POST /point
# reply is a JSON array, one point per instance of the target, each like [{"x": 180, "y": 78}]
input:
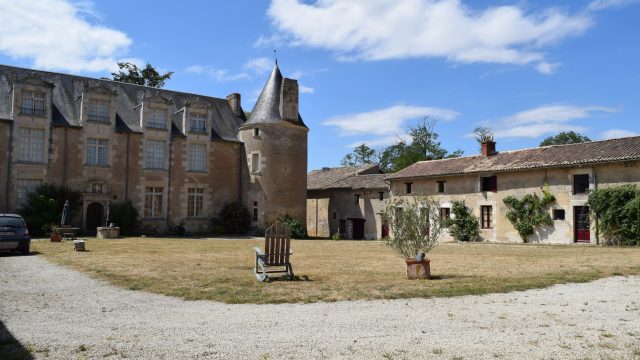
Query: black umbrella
[{"x": 65, "y": 213}]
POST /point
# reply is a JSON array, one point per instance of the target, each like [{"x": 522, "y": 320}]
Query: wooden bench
[
  {"x": 66, "y": 231},
  {"x": 277, "y": 249}
]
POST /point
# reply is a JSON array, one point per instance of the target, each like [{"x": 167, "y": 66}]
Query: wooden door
[
  {"x": 95, "y": 213},
  {"x": 358, "y": 229},
  {"x": 385, "y": 230},
  {"x": 581, "y": 224}
]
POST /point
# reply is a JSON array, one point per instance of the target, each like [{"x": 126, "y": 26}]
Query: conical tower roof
[{"x": 267, "y": 108}]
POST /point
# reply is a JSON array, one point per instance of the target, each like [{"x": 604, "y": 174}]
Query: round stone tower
[{"x": 275, "y": 149}]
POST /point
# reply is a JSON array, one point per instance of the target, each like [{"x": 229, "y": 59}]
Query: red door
[
  {"x": 385, "y": 230},
  {"x": 581, "y": 224}
]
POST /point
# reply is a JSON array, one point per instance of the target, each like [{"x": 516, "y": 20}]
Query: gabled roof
[
  {"x": 68, "y": 89},
  {"x": 327, "y": 178},
  {"x": 358, "y": 182},
  {"x": 267, "y": 107},
  {"x": 614, "y": 150}
]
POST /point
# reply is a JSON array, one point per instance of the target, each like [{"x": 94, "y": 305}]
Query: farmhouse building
[
  {"x": 568, "y": 172},
  {"x": 178, "y": 157},
  {"x": 347, "y": 201}
]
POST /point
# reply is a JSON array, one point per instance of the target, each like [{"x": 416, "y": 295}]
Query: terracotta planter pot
[
  {"x": 56, "y": 238},
  {"x": 418, "y": 269}
]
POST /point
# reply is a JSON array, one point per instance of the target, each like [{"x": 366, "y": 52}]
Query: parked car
[{"x": 14, "y": 234}]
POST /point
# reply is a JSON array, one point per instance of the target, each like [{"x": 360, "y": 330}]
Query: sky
[{"x": 367, "y": 69}]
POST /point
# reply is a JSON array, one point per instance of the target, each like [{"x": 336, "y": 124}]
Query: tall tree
[
  {"x": 564, "y": 138},
  {"x": 149, "y": 76},
  {"x": 422, "y": 145},
  {"x": 362, "y": 154}
]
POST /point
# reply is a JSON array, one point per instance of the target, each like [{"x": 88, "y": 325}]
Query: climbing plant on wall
[
  {"x": 528, "y": 213},
  {"x": 618, "y": 212}
]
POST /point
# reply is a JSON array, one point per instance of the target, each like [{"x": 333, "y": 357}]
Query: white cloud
[
  {"x": 618, "y": 133},
  {"x": 543, "y": 120},
  {"x": 217, "y": 74},
  {"x": 598, "y": 5},
  {"x": 259, "y": 65},
  {"x": 298, "y": 74},
  {"x": 305, "y": 89},
  {"x": 386, "y": 122},
  {"x": 55, "y": 35},
  {"x": 380, "y": 30},
  {"x": 547, "y": 68}
]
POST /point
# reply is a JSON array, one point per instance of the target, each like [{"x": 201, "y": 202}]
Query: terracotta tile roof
[
  {"x": 356, "y": 182},
  {"x": 325, "y": 178},
  {"x": 614, "y": 150}
]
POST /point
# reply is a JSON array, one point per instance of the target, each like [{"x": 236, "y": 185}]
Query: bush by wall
[
  {"x": 298, "y": 229},
  {"x": 126, "y": 216},
  {"x": 234, "y": 218},
  {"x": 44, "y": 205},
  {"x": 618, "y": 212},
  {"x": 463, "y": 226}
]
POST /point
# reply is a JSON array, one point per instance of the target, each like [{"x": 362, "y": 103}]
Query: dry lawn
[{"x": 222, "y": 270}]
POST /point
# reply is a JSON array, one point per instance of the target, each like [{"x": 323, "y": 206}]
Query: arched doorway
[{"x": 95, "y": 214}]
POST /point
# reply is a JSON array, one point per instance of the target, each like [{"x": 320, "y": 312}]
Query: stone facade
[
  {"x": 560, "y": 181},
  {"x": 347, "y": 201},
  {"x": 178, "y": 157}
]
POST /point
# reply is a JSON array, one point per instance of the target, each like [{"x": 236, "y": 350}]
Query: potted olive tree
[{"x": 415, "y": 227}]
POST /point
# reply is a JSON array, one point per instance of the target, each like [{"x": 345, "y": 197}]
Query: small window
[
  {"x": 97, "y": 152},
  {"x": 489, "y": 183},
  {"x": 445, "y": 216},
  {"x": 255, "y": 162},
  {"x": 197, "y": 157},
  {"x": 157, "y": 118},
  {"x": 31, "y": 145},
  {"x": 343, "y": 227},
  {"x": 441, "y": 186},
  {"x": 255, "y": 211},
  {"x": 153, "y": 202},
  {"x": 558, "y": 214},
  {"x": 334, "y": 215},
  {"x": 154, "y": 155},
  {"x": 195, "y": 202},
  {"x": 357, "y": 197},
  {"x": 197, "y": 123},
  {"x": 407, "y": 187},
  {"x": 580, "y": 184},
  {"x": 98, "y": 111},
  {"x": 381, "y": 195},
  {"x": 256, "y": 132},
  {"x": 33, "y": 103},
  {"x": 485, "y": 214}
]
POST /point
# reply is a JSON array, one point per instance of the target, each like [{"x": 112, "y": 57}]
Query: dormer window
[
  {"x": 157, "y": 118},
  {"x": 197, "y": 123},
  {"x": 33, "y": 104},
  {"x": 98, "y": 110}
]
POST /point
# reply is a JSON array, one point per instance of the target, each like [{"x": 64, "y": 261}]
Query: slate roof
[
  {"x": 614, "y": 150},
  {"x": 67, "y": 90},
  {"x": 267, "y": 107},
  {"x": 357, "y": 182},
  {"x": 328, "y": 178}
]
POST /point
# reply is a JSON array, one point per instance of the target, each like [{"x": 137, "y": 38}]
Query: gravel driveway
[{"x": 54, "y": 312}]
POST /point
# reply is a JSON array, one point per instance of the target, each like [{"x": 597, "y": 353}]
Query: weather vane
[{"x": 275, "y": 55}]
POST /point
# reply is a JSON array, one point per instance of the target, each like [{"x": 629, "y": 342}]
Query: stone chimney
[
  {"x": 488, "y": 148},
  {"x": 289, "y": 100},
  {"x": 234, "y": 102}
]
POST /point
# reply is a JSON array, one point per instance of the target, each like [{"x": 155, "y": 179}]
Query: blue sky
[{"x": 367, "y": 69}]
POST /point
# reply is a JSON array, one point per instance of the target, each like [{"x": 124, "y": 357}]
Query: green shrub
[
  {"x": 463, "y": 226},
  {"x": 298, "y": 229},
  {"x": 414, "y": 225},
  {"x": 336, "y": 237},
  {"x": 618, "y": 212},
  {"x": 125, "y": 216},
  {"x": 44, "y": 207},
  {"x": 528, "y": 213},
  {"x": 234, "y": 218}
]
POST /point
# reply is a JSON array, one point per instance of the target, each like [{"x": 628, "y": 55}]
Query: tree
[
  {"x": 463, "y": 226},
  {"x": 423, "y": 145},
  {"x": 125, "y": 216},
  {"x": 361, "y": 154},
  {"x": 414, "y": 224},
  {"x": 148, "y": 76},
  {"x": 44, "y": 207},
  {"x": 618, "y": 212},
  {"x": 564, "y": 138},
  {"x": 483, "y": 134}
]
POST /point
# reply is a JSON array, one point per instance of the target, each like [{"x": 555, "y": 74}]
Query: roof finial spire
[{"x": 275, "y": 55}]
